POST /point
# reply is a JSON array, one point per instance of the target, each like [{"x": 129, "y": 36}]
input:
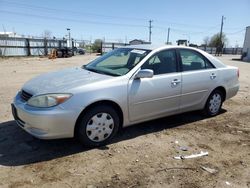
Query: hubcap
[
  {"x": 100, "y": 127},
  {"x": 215, "y": 103}
]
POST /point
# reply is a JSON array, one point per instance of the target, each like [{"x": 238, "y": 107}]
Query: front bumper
[{"x": 44, "y": 123}]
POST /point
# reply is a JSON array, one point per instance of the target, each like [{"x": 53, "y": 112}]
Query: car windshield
[{"x": 117, "y": 62}]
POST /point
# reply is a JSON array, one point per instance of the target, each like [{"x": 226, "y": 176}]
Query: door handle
[
  {"x": 213, "y": 76},
  {"x": 175, "y": 82}
]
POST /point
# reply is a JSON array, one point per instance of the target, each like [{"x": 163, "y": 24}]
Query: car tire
[
  {"x": 214, "y": 103},
  {"x": 97, "y": 126}
]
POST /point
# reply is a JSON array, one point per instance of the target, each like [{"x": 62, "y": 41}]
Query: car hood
[{"x": 62, "y": 81}]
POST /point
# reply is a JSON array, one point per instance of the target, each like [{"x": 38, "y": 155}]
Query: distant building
[
  {"x": 9, "y": 34},
  {"x": 246, "y": 45},
  {"x": 138, "y": 41}
]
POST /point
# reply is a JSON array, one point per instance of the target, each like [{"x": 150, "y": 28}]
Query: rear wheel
[
  {"x": 98, "y": 126},
  {"x": 214, "y": 103}
]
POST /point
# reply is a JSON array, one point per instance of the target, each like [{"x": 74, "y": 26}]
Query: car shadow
[{"x": 19, "y": 148}]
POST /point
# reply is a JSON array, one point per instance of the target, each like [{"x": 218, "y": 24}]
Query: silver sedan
[{"x": 121, "y": 88}]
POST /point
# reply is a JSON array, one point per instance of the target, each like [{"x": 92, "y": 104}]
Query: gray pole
[
  {"x": 68, "y": 29},
  {"x": 69, "y": 39},
  {"x": 168, "y": 35},
  {"x": 221, "y": 28},
  {"x": 150, "y": 30}
]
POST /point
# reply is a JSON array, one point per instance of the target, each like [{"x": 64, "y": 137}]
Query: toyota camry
[{"x": 126, "y": 86}]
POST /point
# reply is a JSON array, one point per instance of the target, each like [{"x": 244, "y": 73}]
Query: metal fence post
[
  {"x": 45, "y": 47},
  {"x": 101, "y": 48},
  {"x": 28, "y": 46}
]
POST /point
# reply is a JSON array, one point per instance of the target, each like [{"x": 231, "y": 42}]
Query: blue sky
[{"x": 115, "y": 20}]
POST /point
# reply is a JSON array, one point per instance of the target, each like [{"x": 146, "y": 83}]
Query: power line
[
  {"x": 71, "y": 20},
  {"x": 240, "y": 31},
  {"x": 182, "y": 24},
  {"x": 32, "y": 7}
]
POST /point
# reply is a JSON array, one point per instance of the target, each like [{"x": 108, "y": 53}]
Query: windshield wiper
[{"x": 99, "y": 71}]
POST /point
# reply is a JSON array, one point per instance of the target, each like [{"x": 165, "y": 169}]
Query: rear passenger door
[{"x": 199, "y": 78}]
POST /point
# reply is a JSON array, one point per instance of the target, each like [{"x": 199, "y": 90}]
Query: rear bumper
[
  {"x": 47, "y": 123},
  {"x": 232, "y": 91}
]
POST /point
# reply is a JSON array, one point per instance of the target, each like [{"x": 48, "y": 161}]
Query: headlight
[{"x": 48, "y": 100}]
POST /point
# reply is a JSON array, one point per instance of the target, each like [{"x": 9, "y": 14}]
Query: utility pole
[
  {"x": 168, "y": 35},
  {"x": 150, "y": 30},
  {"x": 221, "y": 28}
]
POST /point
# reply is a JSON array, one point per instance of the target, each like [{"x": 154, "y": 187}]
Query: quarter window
[
  {"x": 162, "y": 62},
  {"x": 192, "y": 60}
]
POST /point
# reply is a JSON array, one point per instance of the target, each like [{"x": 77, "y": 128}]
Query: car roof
[{"x": 155, "y": 47}]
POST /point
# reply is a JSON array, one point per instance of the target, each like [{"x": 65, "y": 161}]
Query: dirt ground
[{"x": 139, "y": 156}]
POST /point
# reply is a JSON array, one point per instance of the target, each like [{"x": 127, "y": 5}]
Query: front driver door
[{"x": 157, "y": 96}]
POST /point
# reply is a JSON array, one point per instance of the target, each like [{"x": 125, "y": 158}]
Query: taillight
[{"x": 238, "y": 73}]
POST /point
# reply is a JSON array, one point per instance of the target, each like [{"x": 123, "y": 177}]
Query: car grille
[{"x": 25, "y": 95}]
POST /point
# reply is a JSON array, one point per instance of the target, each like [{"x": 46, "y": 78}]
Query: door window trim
[
  {"x": 178, "y": 65},
  {"x": 201, "y": 55}
]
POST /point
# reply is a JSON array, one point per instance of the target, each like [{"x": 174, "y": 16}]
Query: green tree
[
  {"x": 215, "y": 40},
  {"x": 96, "y": 47}
]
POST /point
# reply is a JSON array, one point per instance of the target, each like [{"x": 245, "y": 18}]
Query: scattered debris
[
  {"x": 243, "y": 164},
  {"x": 201, "y": 154},
  {"x": 71, "y": 171},
  {"x": 116, "y": 177},
  {"x": 137, "y": 160},
  {"x": 77, "y": 174},
  {"x": 183, "y": 148},
  {"x": 176, "y": 168},
  {"x": 228, "y": 183},
  {"x": 210, "y": 170}
]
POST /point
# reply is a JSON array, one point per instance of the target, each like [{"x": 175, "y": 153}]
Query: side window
[
  {"x": 192, "y": 60},
  {"x": 162, "y": 62}
]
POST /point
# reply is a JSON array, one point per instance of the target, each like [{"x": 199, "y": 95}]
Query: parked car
[
  {"x": 126, "y": 86},
  {"x": 64, "y": 52},
  {"x": 80, "y": 51}
]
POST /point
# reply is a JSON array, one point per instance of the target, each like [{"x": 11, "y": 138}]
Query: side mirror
[{"x": 144, "y": 73}]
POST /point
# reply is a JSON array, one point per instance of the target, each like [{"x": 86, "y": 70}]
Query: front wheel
[
  {"x": 214, "y": 103},
  {"x": 98, "y": 126}
]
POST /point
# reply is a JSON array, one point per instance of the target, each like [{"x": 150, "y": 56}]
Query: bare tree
[
  {"x": 206, "y": 41},
  {"x": 46, "y": 34}
]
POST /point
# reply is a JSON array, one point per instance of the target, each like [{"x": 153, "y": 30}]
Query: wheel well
[
  {"x": 105, "y": 102},
  {"x": 222, "y": 89}
]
